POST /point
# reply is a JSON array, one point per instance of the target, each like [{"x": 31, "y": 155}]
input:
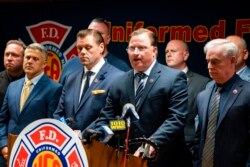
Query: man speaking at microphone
[{"x": 159, "y": 95}]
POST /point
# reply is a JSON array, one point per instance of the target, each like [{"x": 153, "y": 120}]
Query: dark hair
[{"x": 97, "y": 35}]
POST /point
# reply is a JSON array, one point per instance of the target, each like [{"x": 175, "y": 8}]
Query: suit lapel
[
  {"x": 36, "y": 90},
  {"x": 77, "y": 90},
  {"x": 101, "y": 75},
  {"x": 18, "y": 93},
  {"x": 205, "y": 105},
  {"x": 130, "y": 87},
  {"x": 230, "y": 99},
  {"x": 152, "y": 79}
]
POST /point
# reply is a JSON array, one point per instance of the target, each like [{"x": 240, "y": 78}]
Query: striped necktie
[
  {"x": 208, "y": 151},
  {"x": 140, "y": 77}
]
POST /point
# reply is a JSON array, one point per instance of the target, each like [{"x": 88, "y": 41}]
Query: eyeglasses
[{"x": 139, "y": 49}]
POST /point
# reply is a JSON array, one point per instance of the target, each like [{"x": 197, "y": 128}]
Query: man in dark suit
[
  {"x": 75, "y": 64},
  {"x": 231, "y": 138},
  {"x": 162, "y": 107},
  {"x": 84, "y": 108},
  {"x": 41, "y": 102},
  {"x": 177, "y": 54},
  {"x": 13, "y": 63}
]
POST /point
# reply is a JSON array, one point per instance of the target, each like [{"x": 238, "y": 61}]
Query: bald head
[{"x": 176, "y": 54}]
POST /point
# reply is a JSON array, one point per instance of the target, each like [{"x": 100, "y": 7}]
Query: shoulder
[
  {"x": 72, "y": 62},
  {"x": 197, "y": 76},
  {"x": 3, "y": 74},
  {"x": 117, "y": 62},
  {"x": 51, "y": 82}
]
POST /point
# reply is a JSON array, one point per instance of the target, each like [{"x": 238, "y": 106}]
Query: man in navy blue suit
[
  {"x": 75, "y": 64},
  {"x": 162, "y": 108},
  {"x": 231, "y": 138},
  {"x": 177, "y": 54},
  {"x": 41, "y": 102},
  {"x": 83, "y": 108}
]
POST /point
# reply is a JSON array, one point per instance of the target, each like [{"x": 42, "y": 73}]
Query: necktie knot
[
  {"x": 28, "y": 83},
  {"x": 88, "y": 73},
  {"x": 140, "y": 75}
]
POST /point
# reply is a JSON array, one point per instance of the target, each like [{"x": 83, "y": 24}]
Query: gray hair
[
  {"x": 229, "y": 48},
  {"x": 39, "y": 47}
]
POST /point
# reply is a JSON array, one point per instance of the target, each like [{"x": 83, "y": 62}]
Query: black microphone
[
  {"x": 68, "y": 121},
  {"x": 118, "y": 125},
  {"x": 90, "y": 134}
]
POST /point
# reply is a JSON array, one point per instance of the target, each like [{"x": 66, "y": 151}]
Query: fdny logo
[
  {"x": 52, "y": 35},
  {"x": 48, "y": 142}
]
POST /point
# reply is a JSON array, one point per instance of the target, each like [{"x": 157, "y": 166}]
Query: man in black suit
[
  {"x": 231, "y": 138},
  {"x": 13, "y": 64},
  {"x": 162, "y": 107},
  {"x": 177, "y": 54}
]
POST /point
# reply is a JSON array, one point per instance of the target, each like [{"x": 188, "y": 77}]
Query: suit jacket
[
  {"x": 41, "y": 103},
  {"x": 85, "y": 112},
  {"x": 196, "y": 83},
  {"x": 4, "y": 83},
  {"x": 74, "y": 64},
  {"x": 245, "y": 74},
  {"x": 232, "y": 136},
  {"x": 162, "y": 111}
]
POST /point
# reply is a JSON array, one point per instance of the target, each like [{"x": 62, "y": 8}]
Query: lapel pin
[
  {"x": 96, "y": 80},
  {"x": 235, "y": 91},
  {"x": 151, "y": 80}
]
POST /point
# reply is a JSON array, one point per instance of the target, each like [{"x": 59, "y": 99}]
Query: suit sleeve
[
  {"x": 176, "y": 110},
  {"x": 4, "y": 117}
]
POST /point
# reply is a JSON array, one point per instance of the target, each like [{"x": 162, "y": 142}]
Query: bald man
[{"x": 177, "y": 54}]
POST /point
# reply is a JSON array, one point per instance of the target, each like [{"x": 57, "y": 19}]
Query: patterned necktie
[
  {"x": 208, "y": 151},
  {"x": 86, "y": 85},
  {"x": 140, "y": 86},
  {"x": 25, "y": 94}
]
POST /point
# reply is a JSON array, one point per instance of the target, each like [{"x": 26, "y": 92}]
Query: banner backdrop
[{"x": 56, "y": 24}]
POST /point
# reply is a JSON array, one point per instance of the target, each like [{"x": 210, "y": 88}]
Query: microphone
[
  {"x": 128, "y": 111},
  {"x": 107, "y": 133},
  {"x": 67, "y": 121}
]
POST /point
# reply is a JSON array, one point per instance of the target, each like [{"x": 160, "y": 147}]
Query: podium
[
  {"x": 102, "y": 155},
  {"x": 98, "y": 154}
]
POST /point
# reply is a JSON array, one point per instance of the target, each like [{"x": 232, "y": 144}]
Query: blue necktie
[{"x": 140, "y": 87}]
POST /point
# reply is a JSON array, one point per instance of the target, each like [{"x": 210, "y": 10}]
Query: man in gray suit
[
  {"x": 162, "y": 107},
  {"x": 230, "y": 140},
  {"x": 177, "y": 54},
  {"x": 241, "y": 68},
  {"x": 75, "y": 105}
]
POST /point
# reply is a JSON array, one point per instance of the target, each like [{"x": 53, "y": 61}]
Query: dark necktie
[
  {"x": 140, "y": 87},
  {"x": 208, "y": 151},
  {"x": 86, "y": 85}
]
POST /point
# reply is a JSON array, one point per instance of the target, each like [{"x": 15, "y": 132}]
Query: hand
[
  {"x": 145, "y": 150},
  {"x": 5, "y": 152}
]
